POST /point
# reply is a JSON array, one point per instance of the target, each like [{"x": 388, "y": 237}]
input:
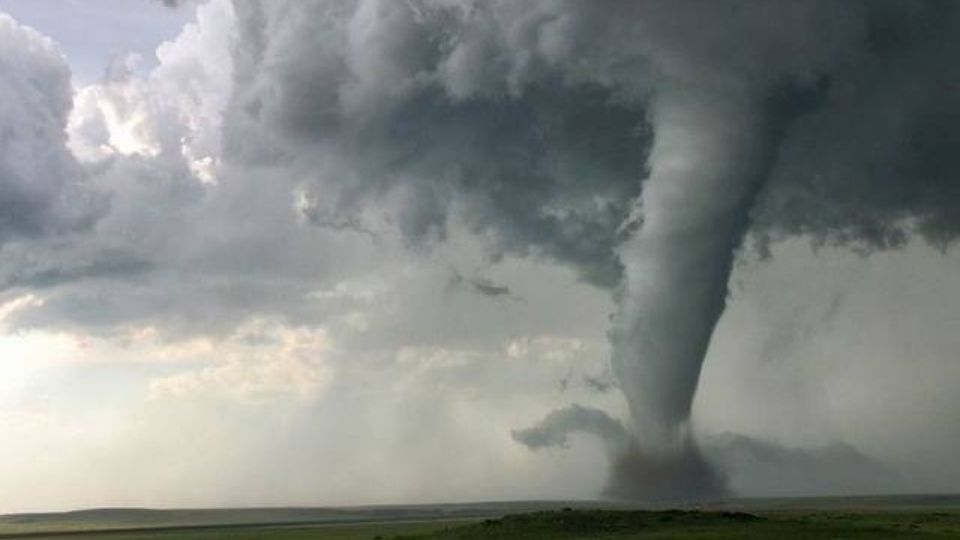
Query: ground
[{"x": 874, "y": 518}]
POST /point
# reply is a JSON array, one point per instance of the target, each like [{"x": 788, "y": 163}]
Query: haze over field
[{"x": 290, "y": 252}]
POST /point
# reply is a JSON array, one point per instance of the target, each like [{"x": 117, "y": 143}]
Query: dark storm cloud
[
  {"x": 879, "y": 161},
  {"x": 512, "y": 162},
  {"x": 502, "y": 108},
  {"x": 500, "y": 115}
]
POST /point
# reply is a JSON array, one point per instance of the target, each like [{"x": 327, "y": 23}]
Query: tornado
[
  {"x": 712, "y": 150},
  {"x": 631, "y": 141}
]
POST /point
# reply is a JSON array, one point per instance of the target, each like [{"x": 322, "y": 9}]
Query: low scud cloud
[{"x": 282, "y": 151}]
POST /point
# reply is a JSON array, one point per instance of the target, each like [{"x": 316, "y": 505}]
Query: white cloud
[
  {"x": 260, "y": 362},
  {"x": 176, "y": 109}
]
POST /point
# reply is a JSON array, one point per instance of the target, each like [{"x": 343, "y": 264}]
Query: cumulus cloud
[
  {"x": 42, "y": 188},
  {"x": 150, "y": 146}
]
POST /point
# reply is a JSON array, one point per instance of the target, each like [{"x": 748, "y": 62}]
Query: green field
[
  {"x": 764, "y": 519},
  {"x": 356, "y": 531},
  {"x": 680, "y": 524}
]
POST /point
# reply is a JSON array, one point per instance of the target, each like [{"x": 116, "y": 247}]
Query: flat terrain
[
  {"x": 683, "y": 524},
  {"x": 814, "y": 518}
]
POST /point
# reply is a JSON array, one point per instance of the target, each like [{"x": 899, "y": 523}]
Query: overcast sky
[{"x": 327, "y": 252}]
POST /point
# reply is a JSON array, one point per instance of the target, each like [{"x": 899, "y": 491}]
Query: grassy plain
[
  {"x": 833, "y": 518},
  {"x": 681, "y": 524}
]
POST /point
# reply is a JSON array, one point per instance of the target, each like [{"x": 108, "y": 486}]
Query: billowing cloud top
[{"x": 41, "y": 187}]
